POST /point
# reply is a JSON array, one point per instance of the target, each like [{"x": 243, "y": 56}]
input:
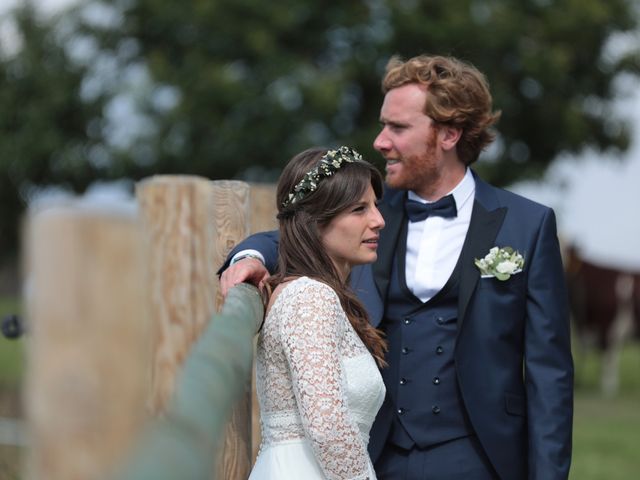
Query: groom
[{"x": 480, "y": 376}]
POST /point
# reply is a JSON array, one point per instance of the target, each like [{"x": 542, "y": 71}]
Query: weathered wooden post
[
  {"x": 231, "y": 220},
  {"x": 89, "y": 337},
  {"x": 117, "y": 299},
  {"x": 177, "y": 213},
  {"x": 263, "y": 207},
  {"x": 192, "y": 223}
]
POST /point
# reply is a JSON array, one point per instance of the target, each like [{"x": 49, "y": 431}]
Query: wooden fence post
[
  {"x": 118, "y": 301},
  {"x": 88, "y": 352},
  {"x": 192, "y": 223},
  {"x": 177, "y": 214},
  {"x": 263, "y": 207},
  {"x": 232, "y": 207}
]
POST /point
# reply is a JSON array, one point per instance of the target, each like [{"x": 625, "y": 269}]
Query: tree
[
  {"x": 44, "y": 124},
  {"x": 257, "y": 83},
  {"x": 234, "y": 88}
]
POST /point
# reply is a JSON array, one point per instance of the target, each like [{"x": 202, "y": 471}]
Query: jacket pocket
[
  {"x": 515, "y": 404},
  {"x": 515, "y": 282}
]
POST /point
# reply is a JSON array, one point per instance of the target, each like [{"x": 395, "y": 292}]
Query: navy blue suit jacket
[{"x": 513, "y": 356}]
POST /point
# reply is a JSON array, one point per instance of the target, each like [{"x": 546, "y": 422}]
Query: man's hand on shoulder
[{"x": 248, "y": 269}]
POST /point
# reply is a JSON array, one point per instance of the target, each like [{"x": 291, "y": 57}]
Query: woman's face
[{"x": 351, "y": 238}]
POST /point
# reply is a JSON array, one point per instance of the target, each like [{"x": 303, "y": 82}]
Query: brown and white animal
[{"x": 605, "y": 306}]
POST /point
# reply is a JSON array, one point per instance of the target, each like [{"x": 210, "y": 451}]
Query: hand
[{"x": 249, "y": 270}]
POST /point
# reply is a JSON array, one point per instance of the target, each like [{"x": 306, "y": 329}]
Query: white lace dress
[{"x": 318, "y": 386}]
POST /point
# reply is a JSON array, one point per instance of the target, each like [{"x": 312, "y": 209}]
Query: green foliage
[
  {"x": 43, "y": 122},
  {"x": 233, "y": 88},
  {"x": 257, "y": 83}
]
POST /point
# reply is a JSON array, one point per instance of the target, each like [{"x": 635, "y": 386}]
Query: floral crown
[{"x": 330, "y": 162}]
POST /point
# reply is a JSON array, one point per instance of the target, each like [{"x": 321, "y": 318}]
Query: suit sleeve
[
  {"x": 264, "y": 242},
  {"x": 548, "y": 362}
]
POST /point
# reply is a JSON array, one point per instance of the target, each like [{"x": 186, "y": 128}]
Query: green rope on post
[{"x": 182, "y": 444}]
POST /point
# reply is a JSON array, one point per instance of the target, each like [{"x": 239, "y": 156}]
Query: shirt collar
[{"x": 462, "y": 192}]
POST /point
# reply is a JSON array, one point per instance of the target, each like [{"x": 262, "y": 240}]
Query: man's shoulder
[
  {"x": 390, "y": 194},
  {"x": 519, "y": 200},
  {"x": 392, "y": 199},
  {"x": 510, "y": 199}
]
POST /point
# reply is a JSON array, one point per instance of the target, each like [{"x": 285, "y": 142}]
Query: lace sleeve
[{"x": 311, "y": 332}]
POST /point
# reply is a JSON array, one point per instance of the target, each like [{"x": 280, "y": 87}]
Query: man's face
[{"x": 409, "y": 141}]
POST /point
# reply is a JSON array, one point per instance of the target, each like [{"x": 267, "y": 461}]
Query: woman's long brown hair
[{"x": 301, "y": 252}]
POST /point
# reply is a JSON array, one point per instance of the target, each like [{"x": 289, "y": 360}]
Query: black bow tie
[{"x": 418, "y": 211}]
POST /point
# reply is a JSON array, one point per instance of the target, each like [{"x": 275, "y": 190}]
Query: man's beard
[{"x": 417, "y": 170}]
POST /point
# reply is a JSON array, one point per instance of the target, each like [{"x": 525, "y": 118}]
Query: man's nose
[{"x": 381, "y": 142}]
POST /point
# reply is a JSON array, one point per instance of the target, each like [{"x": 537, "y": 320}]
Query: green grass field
[
  {"x": 11, "y": 358},
  {"x": 11, "y": 369},
  {"x": 606, "y": 439},
  {"x": 606, "y": 432}
]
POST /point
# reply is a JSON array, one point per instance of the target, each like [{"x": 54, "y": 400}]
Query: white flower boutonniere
[{"x": 500, "y": 263}]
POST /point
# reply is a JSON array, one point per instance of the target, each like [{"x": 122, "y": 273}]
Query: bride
[{"x": 318, "y": 384}]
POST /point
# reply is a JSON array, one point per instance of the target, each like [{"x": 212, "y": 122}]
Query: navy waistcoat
[{"x": 421, "y": 377}]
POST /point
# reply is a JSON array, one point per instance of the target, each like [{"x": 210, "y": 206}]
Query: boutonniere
[{"x": 500, "y": 263}]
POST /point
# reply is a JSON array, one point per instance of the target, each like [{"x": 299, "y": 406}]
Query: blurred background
[{"x": 95, "y": 95}]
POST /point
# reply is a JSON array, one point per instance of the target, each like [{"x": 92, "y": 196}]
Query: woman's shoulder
[
  {"x": 301, "y": 288},
  {"x": 303, "y": 293}
]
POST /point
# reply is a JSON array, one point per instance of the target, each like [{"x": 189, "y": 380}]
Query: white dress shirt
[{"x": 434, "y": 244}]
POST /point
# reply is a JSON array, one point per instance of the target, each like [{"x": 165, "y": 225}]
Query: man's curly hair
[{"x": 458, "y": 96}]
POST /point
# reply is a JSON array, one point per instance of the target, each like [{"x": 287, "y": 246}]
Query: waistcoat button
[{"x": 435, "y": 409}]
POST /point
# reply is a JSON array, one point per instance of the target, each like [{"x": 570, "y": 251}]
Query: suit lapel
[
  {"x": 486, "y": 219},
  {"x": 393, "y": 212}
]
